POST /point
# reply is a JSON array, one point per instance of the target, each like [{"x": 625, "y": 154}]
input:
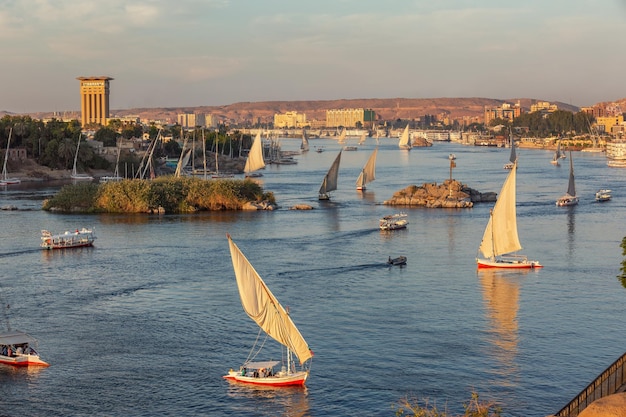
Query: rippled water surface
[{"x": 147, "y": 321}]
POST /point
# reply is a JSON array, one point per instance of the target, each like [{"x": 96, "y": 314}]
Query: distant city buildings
[
  {"x": 290, "y": 119},
  {"x": 505, "y": 112},
  {"x": 94, "y": 100},
  {"x": 544, "y": 107},
  {"x": 610, "y": 124},
  {"x": 350, "y": 117},
  {"x": 191, "y": 120}
]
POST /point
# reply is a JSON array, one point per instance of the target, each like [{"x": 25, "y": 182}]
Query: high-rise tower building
[{"x": 94, "y": 100}]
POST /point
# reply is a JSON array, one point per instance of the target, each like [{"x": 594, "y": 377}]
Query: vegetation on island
[
  {"x": 162, "y": 195},
  {"x": 413, "y": 407}
]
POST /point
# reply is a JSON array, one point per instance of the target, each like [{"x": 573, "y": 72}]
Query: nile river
[{"x": 148, "y": 321}]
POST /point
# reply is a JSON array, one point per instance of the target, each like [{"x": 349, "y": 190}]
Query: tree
[{"x": 107, "y": 136}]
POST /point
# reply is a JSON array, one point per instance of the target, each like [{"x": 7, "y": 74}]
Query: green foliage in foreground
[
  {"x": 173, "y": 195},
  {"x": 411, "y": 407},
  {"x": 622, "y": 276}
]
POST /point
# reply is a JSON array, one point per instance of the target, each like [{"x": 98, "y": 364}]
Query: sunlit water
[{"x": 148, "y": 321}]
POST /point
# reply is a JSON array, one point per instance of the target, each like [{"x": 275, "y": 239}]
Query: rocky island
[{"x": 450, "y": 194}]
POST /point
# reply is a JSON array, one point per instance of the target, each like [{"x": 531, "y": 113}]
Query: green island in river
[{"x": 161, "y": 195}]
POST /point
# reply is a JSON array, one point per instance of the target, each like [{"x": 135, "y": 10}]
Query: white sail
[
  {"x": 255, "y": 157},
  {"x": 342, "y": 136},
  {"x": 330, "y": 180},
  {"x": 500, "y": 236},
  {"x": 368, "y": 173},
  {"x": 183, "y": 160},
  {"x": 263, "y": 307},
  {"x": 404, "y": 139}
]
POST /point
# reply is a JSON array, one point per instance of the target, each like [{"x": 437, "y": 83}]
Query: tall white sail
[
  {"x": 255, "y": 157},
  {"x": 404, "y": 139},
  {"x": 263, "y": 307},
  {"x": 330, "y": 180},
  {"x": 501, "y": 233},
  {"x": 342, "y": 136},
  {"x": 368, "y": 173}
]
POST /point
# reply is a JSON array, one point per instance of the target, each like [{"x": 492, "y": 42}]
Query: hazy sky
[{"x": 165, "y": 53}]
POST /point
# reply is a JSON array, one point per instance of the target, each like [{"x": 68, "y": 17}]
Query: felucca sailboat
[
  {"x": 272, "y": 318},
  {"x": 405, "y": 139},
  {"x": 75, "y": 175},
  {"x": 500, "y": 240},
  {"x": 570, "y": 198},
  {"x": 330, "y": 180},
  {"x": 255, "y": 158},
  {"x": 5, "y": 180},
  {"x": 367, "y": 174}
]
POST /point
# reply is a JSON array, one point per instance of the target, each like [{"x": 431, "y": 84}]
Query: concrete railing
[{"x": 607, "y": 383}]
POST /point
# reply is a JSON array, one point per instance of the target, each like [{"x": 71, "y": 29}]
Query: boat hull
[
  {"x": 68, "y": 240},
  {"x": 567, "y": 201},
  {"x": 295, "y": 379},
  {"x": 508, "y": 264},
  {"x": 23, "y": 360}
]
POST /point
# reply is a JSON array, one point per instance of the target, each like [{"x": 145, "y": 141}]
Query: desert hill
[{"x": 385, "y": 108}]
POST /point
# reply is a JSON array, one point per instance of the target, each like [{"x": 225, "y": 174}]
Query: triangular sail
[
  {"x": 255, "y": 157},
  {"x": 571, "y": 187},
  {"x": 330, "y": 180},
  {"x": 404, "y": 138},
  {"x": 368, "y": 173},
  {"x": 263, "y": 307},
  {"x": 501, "y": 233},
  {"x": 342, "y": 136},
  {"x": 513, "y": 156},
  {"x": 304, "y": 146}
]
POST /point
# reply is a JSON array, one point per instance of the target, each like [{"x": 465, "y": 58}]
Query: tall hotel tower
[{"x": 94, "y": 100}]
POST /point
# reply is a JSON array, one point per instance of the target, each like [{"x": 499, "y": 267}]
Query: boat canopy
[
  {"x": 259, "y": 365},
  {"x": 16, "y": 337}
]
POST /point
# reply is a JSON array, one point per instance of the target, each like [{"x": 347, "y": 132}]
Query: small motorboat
[
  {"x": 400, "y": 260},
  {"x": 394, "y": 222},
  {"x": 452, "y": 157},
  {"x": 16, "y": 349},
  {"x": 603, "y": 195}
]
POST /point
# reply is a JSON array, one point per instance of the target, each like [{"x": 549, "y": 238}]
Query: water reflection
[
  {"x": 286, "y": 401},
  {"x": 501, "y": 298}
]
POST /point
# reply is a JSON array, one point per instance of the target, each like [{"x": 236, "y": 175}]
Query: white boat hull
[
  {"x": 278, "y": 380},
  {"x": 567, "y": 201},
  {"x": 511, "y": 263}
]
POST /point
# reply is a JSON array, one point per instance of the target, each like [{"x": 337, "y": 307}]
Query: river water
[{"x": 148, "y": 321}]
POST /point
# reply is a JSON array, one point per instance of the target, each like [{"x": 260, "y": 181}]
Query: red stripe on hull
[
  {"x": 509, "y": 266},
  {"x": 297, "y": 382}
]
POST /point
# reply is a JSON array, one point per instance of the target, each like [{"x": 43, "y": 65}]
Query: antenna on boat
[{"x": 5, "y": 311}]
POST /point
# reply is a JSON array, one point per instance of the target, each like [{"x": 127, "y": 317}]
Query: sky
[{"x": 188, "y": 53}]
